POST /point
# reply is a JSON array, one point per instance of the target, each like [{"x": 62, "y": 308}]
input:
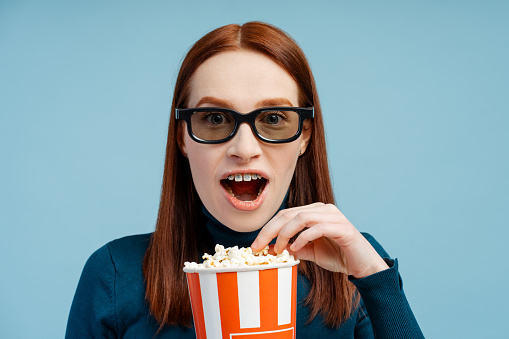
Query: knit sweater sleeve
[
  {"x": 388, "y": 310},
  {"x": 92, "y": 313}
]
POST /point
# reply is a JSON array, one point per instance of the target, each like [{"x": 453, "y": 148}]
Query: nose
[{"x": 244, "y": 145}]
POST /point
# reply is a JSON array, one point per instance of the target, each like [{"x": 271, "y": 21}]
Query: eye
[
  {"x": 274, "y": 118},
  {"x": 215, "y": 118}
]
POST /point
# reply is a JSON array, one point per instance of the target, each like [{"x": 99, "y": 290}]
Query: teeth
[
  {"x": 229, "y": 190},
  {"x": 260, "y": 190},
  {"x": 244, "y": 177}
]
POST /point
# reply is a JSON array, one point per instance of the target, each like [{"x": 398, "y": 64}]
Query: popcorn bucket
[{"x": 244, "y": 302}]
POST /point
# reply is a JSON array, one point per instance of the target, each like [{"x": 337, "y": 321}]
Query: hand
[{"x": 327, "y": 238}]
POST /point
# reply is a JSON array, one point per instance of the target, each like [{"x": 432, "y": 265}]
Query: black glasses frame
[{"x": 249, "y": 118}]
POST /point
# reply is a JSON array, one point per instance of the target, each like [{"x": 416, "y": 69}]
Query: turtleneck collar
[{"x": 223, "y": 235}]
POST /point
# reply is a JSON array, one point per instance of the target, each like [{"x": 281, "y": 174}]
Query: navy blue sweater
[{"x": 110, "y": 298}]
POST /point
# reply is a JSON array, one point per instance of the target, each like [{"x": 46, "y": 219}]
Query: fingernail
[{"x": 254, "y": 244}]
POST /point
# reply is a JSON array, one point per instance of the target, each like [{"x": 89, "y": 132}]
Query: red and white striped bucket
[{"x": 244, "y": 302}]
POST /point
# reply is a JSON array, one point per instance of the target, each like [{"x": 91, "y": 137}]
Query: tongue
[{"x": 245, "y": 190}]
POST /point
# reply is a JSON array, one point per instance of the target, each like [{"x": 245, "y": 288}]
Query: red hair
[{"x": 177, "y": 239}]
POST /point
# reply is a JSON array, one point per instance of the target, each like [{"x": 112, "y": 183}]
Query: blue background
[{"x": 415, "y": 97}]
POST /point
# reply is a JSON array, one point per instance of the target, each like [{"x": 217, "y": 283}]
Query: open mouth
[{"x": 244, "y": 187}]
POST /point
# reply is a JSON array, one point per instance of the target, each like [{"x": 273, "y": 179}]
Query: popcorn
[{"x": 238, "y": 257}]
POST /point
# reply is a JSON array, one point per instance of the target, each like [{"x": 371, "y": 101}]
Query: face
[{"x": 243, "y": 81}]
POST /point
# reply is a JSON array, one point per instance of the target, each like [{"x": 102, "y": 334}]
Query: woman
[{"x": 226, "y": 175}]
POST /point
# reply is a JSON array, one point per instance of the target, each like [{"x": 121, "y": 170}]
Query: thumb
[{"x": 305, "y": 253}]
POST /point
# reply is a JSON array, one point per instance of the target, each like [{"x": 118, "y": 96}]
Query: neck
[{"x": 223, "y": 235}]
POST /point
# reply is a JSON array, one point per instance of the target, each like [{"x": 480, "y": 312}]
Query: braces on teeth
[{"x": 244, "y": 177}]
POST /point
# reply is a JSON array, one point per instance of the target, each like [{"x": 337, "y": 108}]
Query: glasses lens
[
  {"x": 212, "y": 125},
  {"x": 277, "y": 125}
]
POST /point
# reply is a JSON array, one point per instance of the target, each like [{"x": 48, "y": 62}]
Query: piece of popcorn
[
  {"x": 264, "y": 251},
  {"x": 250, "y": 260},
  {"x": 188, "y": 264},
  {"x": 246, "y": 252},
  {"x": 220, "y": 250},
  {"x": 226, "y": 263}
]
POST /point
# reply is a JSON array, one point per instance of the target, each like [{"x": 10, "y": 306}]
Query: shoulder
[
  {"x": 128, "y": 249},
  {"x": 118, "y": 254},
  {"x": 117, "y": 268},
  {"x": 376, "y": 245},
  {"x": 110, "y": 289}
]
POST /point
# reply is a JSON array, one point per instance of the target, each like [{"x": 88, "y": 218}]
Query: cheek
[
  {"x": 200, "y": 162},
  {"x": 202, "y": 176},
  {"x": 284, "y": 161},
  {"x": 203, "y": 160},
  {"x": 195, "y": 152}
]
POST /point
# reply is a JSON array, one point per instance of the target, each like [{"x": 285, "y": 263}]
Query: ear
[
  {"x": 307, "y": 130},
  {"x": 180, "y": 137}
]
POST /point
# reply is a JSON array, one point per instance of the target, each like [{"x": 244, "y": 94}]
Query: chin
[{"x": 245, "y": 221}]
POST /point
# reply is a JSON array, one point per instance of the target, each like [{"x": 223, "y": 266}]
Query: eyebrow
[
  {"x": 262, "y": 103},
  {"x": 274, "y": 102}
]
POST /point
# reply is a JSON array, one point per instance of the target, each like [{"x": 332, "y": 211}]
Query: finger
[
  {"x": 301, "y": 221},
  {"x": 289, "y": 213},
  {"x": 325, "y": 253},
  {"x": 342, "y": 234},
  {"x": 272, "y": 227},
  {"x": 305, "y": 253}
]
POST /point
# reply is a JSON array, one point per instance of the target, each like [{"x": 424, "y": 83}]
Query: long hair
[{"x": 177, "y": 238}]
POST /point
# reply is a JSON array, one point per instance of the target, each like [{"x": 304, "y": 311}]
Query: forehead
[{"x": 243, "y": 78}]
